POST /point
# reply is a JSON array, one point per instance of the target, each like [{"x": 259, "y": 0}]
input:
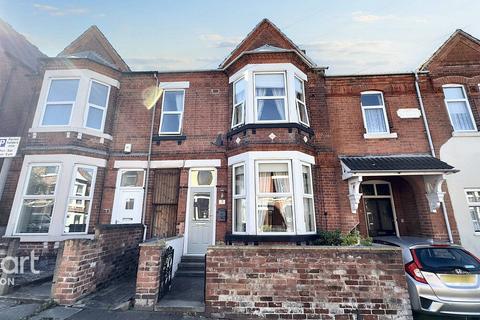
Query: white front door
[
  {"x": 201, "y": 220},
  {"x": 128, "y": 203}
]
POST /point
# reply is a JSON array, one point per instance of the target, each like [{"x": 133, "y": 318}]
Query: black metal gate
[{"x": 166, "y": 272}]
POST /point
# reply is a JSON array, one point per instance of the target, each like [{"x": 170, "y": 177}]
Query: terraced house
[{"x": 266, "y": 148}]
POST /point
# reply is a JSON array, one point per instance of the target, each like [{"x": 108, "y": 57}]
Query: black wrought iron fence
[{"x": 166, "y": 272}]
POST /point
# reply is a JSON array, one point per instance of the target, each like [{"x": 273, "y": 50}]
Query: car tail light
[{"x": 413, "y": 268}]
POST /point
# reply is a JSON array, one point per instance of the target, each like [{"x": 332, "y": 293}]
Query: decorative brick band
[{"x": 279, "y": 282}]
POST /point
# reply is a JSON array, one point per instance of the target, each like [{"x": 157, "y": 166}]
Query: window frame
[
  {"x": 309, "y": 196},
  {"x": 258, "y": 195},
  {"x": 120, "y": 174},
  {"x": 240, "y": 123},
  {"x": 284, "y": 97},
  {"x": 163, "y": 112},
  {"x": 239, "y": 196},
  {"x": 25, "y": 196},
  {"x": 467, "y": 102},
  {"x": 71, "y": 196},
  {"x": 303, "y": 103},
  {"x": 383, "y": 107},
  {"x": 473, "y": 204},
  {"x": 45, "y": 102},
  {"x": 88, "y": 105}
]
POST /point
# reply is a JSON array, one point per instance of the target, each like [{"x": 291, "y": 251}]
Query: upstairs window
[
  {"x": 238, "y": 116},
  {"x": 300, "y": 101},
  {"x": 97, "y": 105},
  {"x": 270, "y": 97},
  {"x": 61, "y": 98},
  {"x": 172, "y": 112},
  {"x": 459, "y": 111},
  {"x": 374, "y": 114}
]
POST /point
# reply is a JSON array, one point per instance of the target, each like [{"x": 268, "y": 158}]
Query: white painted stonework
[{"x": 464, "y": 154}]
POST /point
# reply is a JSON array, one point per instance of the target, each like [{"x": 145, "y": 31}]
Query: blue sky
[{"x": 349, "y": 36}]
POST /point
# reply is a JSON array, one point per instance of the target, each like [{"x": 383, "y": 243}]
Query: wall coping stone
[{"x": 374, "y": 248}]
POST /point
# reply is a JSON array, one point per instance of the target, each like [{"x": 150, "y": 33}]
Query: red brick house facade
[{"x": 265, "y": 148}]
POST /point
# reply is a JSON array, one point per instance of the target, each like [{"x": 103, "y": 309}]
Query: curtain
[
  {"x": 265, "y": 182},
  {"x": 179, "y": 101},
  {"x": 375, "y": 120},
  {"x": 261, "y": 92},
  {"x": 460, "y": 116}
]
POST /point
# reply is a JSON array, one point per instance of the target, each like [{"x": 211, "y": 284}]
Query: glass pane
[
  {"x": 307, "y": 185},
  {"x": 202, "y": 178},
  {"x": 269, "y": 85},
  {"x": 237, "y": 114},
  {"x": 473, "y": 196},
  {"x": 129, "y": 204},
  {"x": 63, "y": 90},
  {"x": 132, "y": 179},
  {"x": 475, "y": 214},
  {"x": 453, "y": 93},
  {"x": 273, "y": 178},
  {"x": 98, "y": 94},
  {"x": 383, "y": 189},
  {"x": 173, "y": 101},
  {"x": 271, "y": 109},
  {"x": 240, "y": 215},
  {"x": 201, "y": 206},
  {"x": 302, "y": 112},
  {"x": 368, "y": 190},
  {"x": 83, "y": 182},
  {"x": 309, "y": 214},
  {"x": 77, "y": 215},
  {"x": 460, "y": 116},
  {"x": 170, "y": 123},
  {"x": 371, "y": 99},
  {"x": 42, "y": 180},
  {"x": 95, "y": 118},
  {"x": 275, "y": 214},
  {"x": 239, "y": 91},
  {"x": 239, "y": 176},
  {"x": 57, "y": 114},
  {"x": 446, "y": 260},
  {"x": 299, "y": 90},
  {"x": 375, "y": 120},
  {"x": 35, "y": 216}
]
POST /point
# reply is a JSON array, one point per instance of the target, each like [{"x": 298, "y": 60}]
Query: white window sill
[
  {"x": 466, "y": 134},
  {"x": 72, "y": 129},
  {"x": 393, "y": 135},
  {"x": 49, "y": 238},
  {"x": 477, "y": 233}
]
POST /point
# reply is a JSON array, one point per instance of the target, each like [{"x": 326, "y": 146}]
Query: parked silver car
[{"x": 442, "y": 278}]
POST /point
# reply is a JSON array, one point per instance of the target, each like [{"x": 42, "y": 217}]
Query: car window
[{"x": 446, "y": 260}]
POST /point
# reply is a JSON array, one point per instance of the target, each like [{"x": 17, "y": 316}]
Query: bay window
[
  {"x": 300, "y": 101},
  {"x": 61, "y": 98},
  {"x": 239, "y": 199},
  {"x": 238, "y": 115},
  {"x": 172, "y": 112},
  {"x": 270, "y": 96},
  {"x": 458, "y": 108},
  {"x": 38, "y": 199},
  {"x": 374, "y": 114},
  {"x": 80, "y": 199},
  {"x": 309, "y": 213},
  {"x": 97, "y": 105}
]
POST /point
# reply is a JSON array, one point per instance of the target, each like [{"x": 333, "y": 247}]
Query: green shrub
[
  {"x": 366, "y": 241},
  {"x": 329, "y": 238},
  {"x": 351, "y": 239}
]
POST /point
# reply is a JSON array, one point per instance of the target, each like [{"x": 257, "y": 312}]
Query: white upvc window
[
  {"x": 239, "y": 199},
  {"x": 308, "y": 207},
  {"x": 97, "y": 105},
  {"x": 270, "y": 97},
  {"x": 473, "y": 200},
  {"x": 172, "y": 112},
  {"x": 238, "y": 114},
  {"x": 458, "y": 108},
  {"x": 59, "y": 103},
  {"x": 80, "y": 199},
  {"x": 274, "y": 197},
  {"x": 374, "y": 114},
  {"x": 300, "y": 101},
  {"x": 38, "y": 199}
]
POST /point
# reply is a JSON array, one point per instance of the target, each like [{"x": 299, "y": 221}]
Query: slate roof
[{"x": 395, "y": 163}]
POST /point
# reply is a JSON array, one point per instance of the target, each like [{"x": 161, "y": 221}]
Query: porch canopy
[{"x": 433, "y": 170}]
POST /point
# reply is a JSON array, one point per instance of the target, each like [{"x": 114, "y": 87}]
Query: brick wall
[
  {"x": 84, "y": 265},
  {"x": 280, "y": 282}
]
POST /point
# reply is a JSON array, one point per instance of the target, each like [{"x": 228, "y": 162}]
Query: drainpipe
[
  {"x": 149, "y": 157},
  {"x": 432, "y": 151}
]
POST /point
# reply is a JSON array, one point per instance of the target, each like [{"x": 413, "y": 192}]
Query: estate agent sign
[{"x": 9, "y": 146}]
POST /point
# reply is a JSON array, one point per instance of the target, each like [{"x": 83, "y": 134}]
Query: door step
[{"x": 191, "y": 267}]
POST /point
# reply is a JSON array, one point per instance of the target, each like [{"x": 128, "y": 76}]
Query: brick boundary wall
[
  {"x": 84, "y": 265},
  {"x": 148, "y": 274},
  {"x": 280, "y": 282}
]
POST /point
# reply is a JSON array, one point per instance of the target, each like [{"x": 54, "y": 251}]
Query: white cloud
[
  {"x": 56, "y": 11},
  {"x": 364, "y": 17},
  {"x": 172, "y": 63},
  {"x": 218, "y": 41}
]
